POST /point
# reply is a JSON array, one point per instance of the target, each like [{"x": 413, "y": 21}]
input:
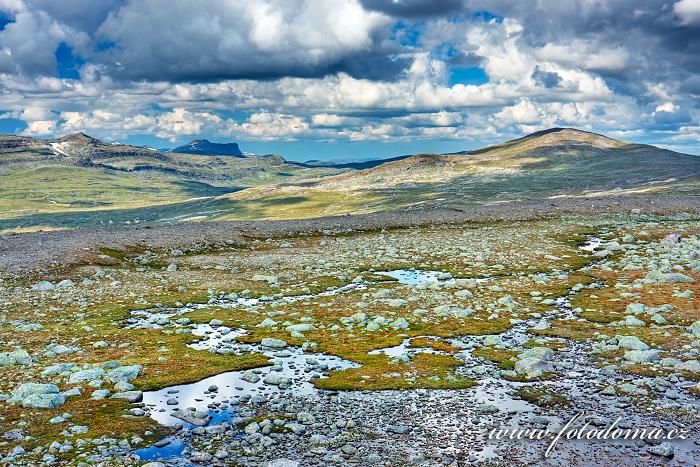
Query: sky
[{"x": 349, "y": 79}]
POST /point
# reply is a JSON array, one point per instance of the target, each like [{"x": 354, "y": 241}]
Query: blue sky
[{"x": 350, "y": 78}]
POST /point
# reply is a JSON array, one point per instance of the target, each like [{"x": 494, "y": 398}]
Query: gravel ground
[{"x": 24, "y": 252}]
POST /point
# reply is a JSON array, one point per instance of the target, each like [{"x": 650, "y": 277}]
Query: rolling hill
[
  {"x": 560, "y": 162},
  {"x": 80, "y": 181}
]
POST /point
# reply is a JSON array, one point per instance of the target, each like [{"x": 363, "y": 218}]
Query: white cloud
[
  {"x": 267, "y": 125},
  {"x": 225, "y": 39},
  {"x": 181, "y": 122},
  {"x": 40, "y": 128},
  {"x": 688, "y": 11},
  {"x": 666, "y": 107},
  {"x": 522, "y": 112}
]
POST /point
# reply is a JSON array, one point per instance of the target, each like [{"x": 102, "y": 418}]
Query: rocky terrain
[{"x": 393, "y": 339}]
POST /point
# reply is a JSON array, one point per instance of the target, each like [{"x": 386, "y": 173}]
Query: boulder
[
  {"x": 86, "y": 375},
  {"x": 642, "y": 356},
  {"x": 43, "y": 286},
  {"x": 37, "y": 396},
  {"x": 273, "y": 343},
  {"x": 131, "y": 396},
  {"x": 532, "y": 367},
  {"x": 15, "y": 358},
  {"x": 631, "y": 343},
  {"x": 400, "y": 323},
  {"x": 124, "y": 373}
]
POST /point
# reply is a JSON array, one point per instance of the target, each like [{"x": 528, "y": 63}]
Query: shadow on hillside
[{"x": 200, "y": 189}]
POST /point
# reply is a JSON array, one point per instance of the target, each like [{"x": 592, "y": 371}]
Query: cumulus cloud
[
  {"x": 688, "y": 11},
  {"x": 216, "y": 39},
  {"x": 350, "y": 69}
]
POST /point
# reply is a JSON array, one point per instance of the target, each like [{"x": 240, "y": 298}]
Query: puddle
[
  {"x": 574, "y": 366},
  {"x": 592, "y": 244},
  {"x": 172, "y": 449},
  {"x": 415, "y": 276},
  {"x": 292, "y": 363},
  {"x": 404, "y": 348}
]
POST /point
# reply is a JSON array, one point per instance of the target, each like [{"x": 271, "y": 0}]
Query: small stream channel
[{"x": 215, "y": 399}]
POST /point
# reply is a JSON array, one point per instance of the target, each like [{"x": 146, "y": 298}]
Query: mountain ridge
[{"x": 78, "y": 180}]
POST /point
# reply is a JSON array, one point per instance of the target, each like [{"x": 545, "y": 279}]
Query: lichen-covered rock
[
  {"x": 124, "y": 373},
  {"x": 37, "y": 396}
]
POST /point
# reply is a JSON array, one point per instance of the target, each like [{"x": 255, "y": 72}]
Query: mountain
[
  {"x": 559, "y": 162},
  {"x": 78, "y": 180},
  {"x": 206, "y": 147},
  {"x": 352, "y": 164},
  {"x": 81, "y": 181}
]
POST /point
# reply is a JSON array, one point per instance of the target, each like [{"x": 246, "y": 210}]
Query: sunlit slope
[{"x": 139, "y": 185}]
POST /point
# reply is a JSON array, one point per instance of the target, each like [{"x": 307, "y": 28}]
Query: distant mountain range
[{"x": 78, "y": 180}]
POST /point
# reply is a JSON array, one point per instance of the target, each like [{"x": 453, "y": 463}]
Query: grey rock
[
  {"x": 17, "y": 357},
  {"x": 131, "y": 396},
  {"x": 124, "y": 373},
  {"x": 273, "y": 343},
  {"x": 86, "y": 375}
]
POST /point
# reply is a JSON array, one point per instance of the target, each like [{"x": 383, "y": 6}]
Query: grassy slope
[{"x": 51, "y": 193}]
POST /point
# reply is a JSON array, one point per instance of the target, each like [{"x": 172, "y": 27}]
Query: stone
[
  {"x": 250, "y": 377},
  {"x": 305, "y": 418},
  {"x": 195, "y": 417},
  {"x": 642, "y": 356},
  {"x": 532, "y": 367},
  {"x": 359, "y": 317},
  {"x": 399, "y": 324},
  {"x": 43, "y": 286},
  {"x": 200, "y": 457},
  {"x": 37, "y": 396},
  {"x": 251, "y": 428},
  {"x": 272, "y": 280},
  {"x": 100, "y": 394},
  {"x": 266, "y": 323},
  {"x": 632, "y": 321},
  {"x": 692, "y": 366},
  {"x": 123, "y": 386},
  {"x": 17, "y": 357},
  {"x": 664, "y": 449},
  {"x": 124, "y": 373},
  {"x": 631, "y": 343},
  {"x": 672, "y": 239},
  {"x": 282, "y": 463},
  {"x": 635, "y": 308},
  {"x": 542, "y": 353},
  {"x": 303, "y": 327},
  {"x": 273, "y": 343},
  {"x": 668, "y": 278},
  {"x": 694, "y": 328},
  {"x": 131, "y": 396},
  {"x": 277, "y": 380},
  {"x": 65, "y": 284},
  {"x": 86, "y": 375},
  {"x": 172, "y": 267}
]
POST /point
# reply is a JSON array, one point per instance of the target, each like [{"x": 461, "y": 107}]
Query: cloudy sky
[{"x": 350, "y": 78}]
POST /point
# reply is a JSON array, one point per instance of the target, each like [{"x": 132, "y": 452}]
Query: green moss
[{"x": 542, "y": 396}]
